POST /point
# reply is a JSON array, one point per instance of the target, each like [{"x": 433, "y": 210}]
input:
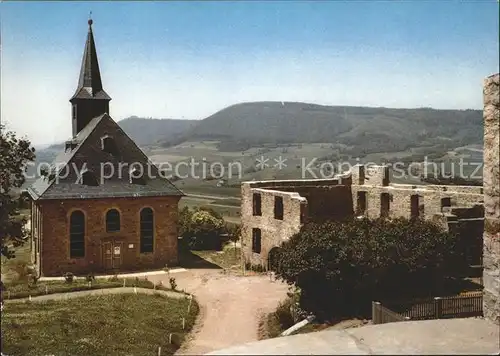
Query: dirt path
[{"x": 230, "y": 307}]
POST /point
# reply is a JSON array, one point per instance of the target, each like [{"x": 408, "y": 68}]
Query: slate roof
[
  {"x": 89, "y": 82},
  {"x": 63, "y": 180}
]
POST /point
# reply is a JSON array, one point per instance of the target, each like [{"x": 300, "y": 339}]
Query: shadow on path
[{"x": 187, "y": 259}]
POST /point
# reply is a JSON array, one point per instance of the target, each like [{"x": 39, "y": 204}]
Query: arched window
[
  {"x": 112, "y": 220},
  {"x": 147, "y": 230},
  {"x": 77, "y": 234}
]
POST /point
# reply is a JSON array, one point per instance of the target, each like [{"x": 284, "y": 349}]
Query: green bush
[
  {"x": 284, "y": 315},
  {"x": 254, "y": 268},
  {"x": 200, "y": 228},
  {"x": 173, "y": 283},
  {"x": 340, "y": 267},
  {"x": 90, "y": 277},
  {"x": 69, "y": 277}
]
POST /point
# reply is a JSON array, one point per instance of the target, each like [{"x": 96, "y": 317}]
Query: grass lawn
[
  {"x": 15, "y": 278},
  {"x": 123, "y": 324},
  {"x": 23, "y": 289}
]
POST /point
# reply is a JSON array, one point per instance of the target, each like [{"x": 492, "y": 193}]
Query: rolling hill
[
  {"x": 355, "y": 131},
  {"x": 369, "y": 129},
  {"x": 149, "y": 131}
]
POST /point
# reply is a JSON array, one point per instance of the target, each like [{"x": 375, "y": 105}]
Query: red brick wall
[{"x": 55, "y": 251}]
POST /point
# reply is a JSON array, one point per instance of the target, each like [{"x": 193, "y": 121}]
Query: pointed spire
[{"x": 89, "y": 83}]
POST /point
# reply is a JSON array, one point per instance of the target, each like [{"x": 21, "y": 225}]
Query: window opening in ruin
[
  {"x": 445, "y": 202},
  {"x": 385, "y": 201},
  {"x": 278, "y": 208},
  {"x": 257, "y": 204},
  {"x": 414, "y": 206},
  {"x": 256, "y": 240},
  {"x": 303, "y": 213},
  {"x": 361, "y": 205}
]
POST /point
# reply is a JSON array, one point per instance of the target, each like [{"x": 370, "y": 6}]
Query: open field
[
  {"x": 122, "y": 324},
  {"x": 229, "y": 211},
  {"x": 300, "y": 160}
]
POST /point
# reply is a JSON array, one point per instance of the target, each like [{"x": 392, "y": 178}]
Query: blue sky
[{"x": 191, "y": 59}]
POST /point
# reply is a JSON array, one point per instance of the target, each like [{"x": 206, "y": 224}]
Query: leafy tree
[
  {"x": 201, "y": 227},
  {"x": 184, "y": 221},
  {"x": 204, "y": 222},
  {"x": 234, "y": 231},
  {"x": 340, "y": 267},
  {"x": 15, "y": 153}
]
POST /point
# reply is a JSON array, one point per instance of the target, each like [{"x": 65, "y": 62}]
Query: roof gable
[{"x": 111, "y": 168}]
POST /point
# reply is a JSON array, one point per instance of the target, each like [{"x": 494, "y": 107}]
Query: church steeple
[{"x": 90, "y": 99}]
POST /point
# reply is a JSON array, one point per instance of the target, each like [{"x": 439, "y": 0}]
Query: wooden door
[
  {"x": 117, "y": 254},
  {"x": 107, "y": 255}
]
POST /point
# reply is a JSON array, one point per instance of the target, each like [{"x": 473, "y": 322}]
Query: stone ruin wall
[
  {"x": 320, "y": 199},
  {"x": 477, "y": 208},
  {"x": 491, "y": 184},
  {"x": 273, "y": 231}
]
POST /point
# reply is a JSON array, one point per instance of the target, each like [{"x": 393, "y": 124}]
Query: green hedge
[{"x": 341, "y": 266}]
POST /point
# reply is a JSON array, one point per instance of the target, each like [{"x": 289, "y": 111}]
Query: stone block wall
[
  {"x": 429, "y": 199},
  {"x": 325, "y": 202},
  {"x": 53, "y": 237},
  {"x": 273, "y": 231},
  {"x": 337, "y": 198},
  {"x": 491, "y": 184}
]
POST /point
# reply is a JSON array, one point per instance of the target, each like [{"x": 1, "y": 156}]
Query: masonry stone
[
  {"x": 312, "y": 200},
  {"x": 491, "y": 184}
]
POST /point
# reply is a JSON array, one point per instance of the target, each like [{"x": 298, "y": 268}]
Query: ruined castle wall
[
  {"x": 468, "y": 189},
  {"x": 272, "y": 231},
  {"x": 326, "y": 202},
  {"x": 290, "y": 183},
  {"x": 491, "y": 184},
  {"x": 320, "y": 199},
  {"x": 430, "y": 199}
]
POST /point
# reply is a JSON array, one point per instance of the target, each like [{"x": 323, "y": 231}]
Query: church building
[{"x": 102, "y": 206}]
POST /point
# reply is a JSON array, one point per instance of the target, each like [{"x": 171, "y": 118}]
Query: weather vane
[{"x": 90, "y": 18}]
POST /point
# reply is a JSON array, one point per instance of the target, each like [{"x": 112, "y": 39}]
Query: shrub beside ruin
[{"x": 341, "y": 266}]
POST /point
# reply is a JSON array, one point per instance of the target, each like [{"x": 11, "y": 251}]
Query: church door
[{"x": 112, "y": 255}]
